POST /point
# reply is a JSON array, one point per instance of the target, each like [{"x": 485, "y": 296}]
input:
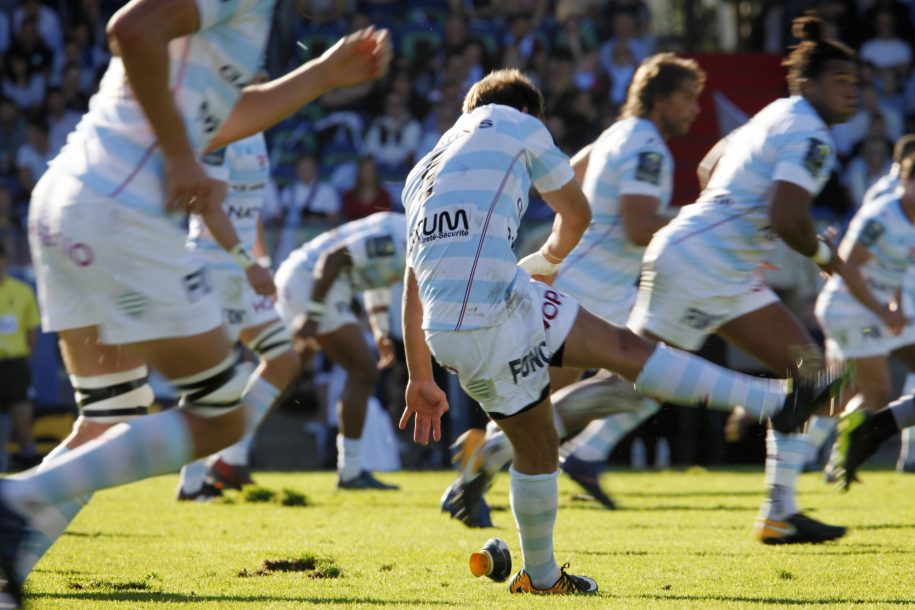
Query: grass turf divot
[
  {"x": 254, "y": 493},
  {"x": 314, "y": 566},
  {"x": 151, "y": 582}
]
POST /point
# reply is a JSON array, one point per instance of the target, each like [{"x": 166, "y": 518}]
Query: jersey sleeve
[
  {"x": 805, "y": 158},
  {"x": 550, "y": 168},
  {"x": 642, "y": 169},
  {"x": 867, "y": 231},
  {"x": 366, "y": 248}
]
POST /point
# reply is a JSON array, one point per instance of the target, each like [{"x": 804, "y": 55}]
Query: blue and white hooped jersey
[
  {"x": 727, "y": 233},
  {"x": 629, "y": 158},
  {"x": 886, "y": 185},
  {"x": 883, "y": 228},
  {"x": 377, "y": 246},
  {"x": 464, "y": 203},
  {"x": 113, "y": 149},
  {"x": 248, "y": 166}
]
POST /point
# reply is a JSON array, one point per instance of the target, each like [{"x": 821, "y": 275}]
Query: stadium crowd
[{"x": 346, "y": 155}]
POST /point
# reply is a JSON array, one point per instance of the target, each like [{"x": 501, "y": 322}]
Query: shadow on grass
[
  {"x": 885, "y": 526},
  {"x": 78, "y": 534},
  {"x": 831, "y": 601},
  {"x": 153, "y": 597},
  {"x": 758, "y": 493},
  {"x": 665, "y": 507}
]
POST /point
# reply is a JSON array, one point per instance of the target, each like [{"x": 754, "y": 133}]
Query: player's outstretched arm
[
  {"x": 424, "y": 398},
  {"x": 220, "y": 227},
  {"x": 357, "y": 58},
  {"x": 890, "y": 313},
  {"x": 139, "y": 33},
  {"x": 573, "y": 214}
]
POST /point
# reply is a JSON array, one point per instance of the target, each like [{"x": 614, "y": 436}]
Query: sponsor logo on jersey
[
  {"x": 871, "y": 232},
  {"x": 534, "y": 360},
  {"x": 698, "y": 319},
  {"x": 649, "y": 168},
  {"x": 815, "y": 159},
  {"x": 451, "y": 223},
  {"x": 241, "y": 212}
]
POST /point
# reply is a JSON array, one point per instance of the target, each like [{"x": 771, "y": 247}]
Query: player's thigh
[
  {"x": 85, "y": 355},
  {"x": 560, "y": 378},
  {"x": 772, "y": 335},
  {"x": 347, "y": 347},
  {"x": 595, "y": 343},
  {"x": 873, "y": 381},
  {"x": 178, "y": 357}
]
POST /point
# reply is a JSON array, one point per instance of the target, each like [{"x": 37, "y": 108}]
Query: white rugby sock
[
  {"x": 256, "y": 401},
  {"x": 671, "y": 375},
  {"x": 785, "y": 458},
  {"x": 48, "y": 523},
  {"x": 534, "y": 502},
  {"x": 193, "y": 476},
  {"x": 818, "y": 430},
  {"x": 597, "y": 440},
  {"x": 146, "y": 447},
  {"x": 349, "y": 457},
  {"x": 907, "y": 449}
]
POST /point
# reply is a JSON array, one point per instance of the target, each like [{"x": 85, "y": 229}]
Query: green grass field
[{"x": 682, "y": 541}]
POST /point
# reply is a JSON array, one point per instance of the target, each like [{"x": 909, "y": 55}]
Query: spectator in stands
[
  {"x": 45, "y": 19},
  {"x": 10, "y": 231},
  {"x": 368, "y": 195},
  {"x": 5, "y": 34},
  {"x": 19, "y": 323},
  {"x": 393, "y": 137},
  {"x": 625, "y": 32},
  {"x": 24, "y": 88},
  {"x": 324, "y": 12},
  {"x": 868, "y": 166},
  {"x": 61, "y": 120},
  {"x": 34, "y": 154},
  {"x": 454, "y": 35},
  {"x": 73, "y": 87},
  {"x": 849, "y": 134},
  {"x": 886, "y": 50},
  {"x": 28, "y": 45},
  {"x": 623, "y": 63},
  {"x": 309, "y": 206},
  {"x": 12, "y": 131}
]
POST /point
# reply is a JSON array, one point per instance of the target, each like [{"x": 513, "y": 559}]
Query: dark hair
[
  {"x": 808, "y": 58},
  {"x": 905, "y": 147},
  {"x": 508, "y": 87},
  {"x": 2, "y": 251},
  {"x": 657, "y": 77}
]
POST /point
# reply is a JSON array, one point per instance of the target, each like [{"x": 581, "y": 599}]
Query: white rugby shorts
[
  {"x": 294, "y": 280},
  {"x": 100, "y": 263},
  {"x": 853, "y": 331},
  {"x": 682, "y": 306},
  {"x": 241, "y": 307},
  {"x": 506, "y": 367}
]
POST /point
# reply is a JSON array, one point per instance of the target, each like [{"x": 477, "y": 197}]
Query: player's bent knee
[
  {"x": 284, "y": 367},
  {"x": 112, "y": 398},
  {"x": 272, "y": 342},
  {"x": 216, "y": 391}
]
